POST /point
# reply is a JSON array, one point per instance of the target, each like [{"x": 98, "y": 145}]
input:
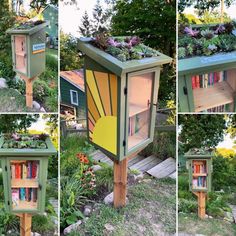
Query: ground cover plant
[
  {"x": 124, "y": 48},
  {"x": 206, "y": 39}
]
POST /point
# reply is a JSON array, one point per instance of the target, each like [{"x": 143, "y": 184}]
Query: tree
[
  {"x": 200, "y": 130},
  {"x": 16, "y": 123},
  {"x": 69, "y": 54},
  {"x": 38, "y": 5},
  {"x": 100, "y": 19},
  {"x": 86, "y": 26},
  {"x": 202, "y": 5}
]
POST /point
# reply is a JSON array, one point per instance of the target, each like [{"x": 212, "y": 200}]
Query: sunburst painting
[{"x": 101, "y": 91}]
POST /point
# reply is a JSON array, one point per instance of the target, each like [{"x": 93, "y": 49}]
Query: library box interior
[
  {"x": 24, "y": 160},
  {"x": 121, "y": 96},
  {"x": 199, "y": 165},
  {"x": 207, "y": 83},
  {"x": 28, "y": 48}
]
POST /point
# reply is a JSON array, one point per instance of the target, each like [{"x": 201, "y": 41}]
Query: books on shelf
[
  {"x": 208, "y": 80},
  {"x": 199, "y": 168},
  {"x": 133, "y": 125},
  {"x": 26, "y": 170},
  {"x": 24, "y": 194},
  {"x": 199, "y": 182}
]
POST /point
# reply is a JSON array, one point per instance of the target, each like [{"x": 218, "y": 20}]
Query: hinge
[
  {"x": 5, "y": 168},
  {"x": 185, "y": 90},
  {"x": 125, "y": 90},
  {"x": 8, "y": 203},
  {"x": 40, "y": 187},
  {"x": 124, "y": 143}
]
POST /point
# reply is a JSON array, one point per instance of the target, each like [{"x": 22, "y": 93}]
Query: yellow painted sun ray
[
  {"x": 103, "y": 87},
  {"x": 113, "y": 86},
  {"x": 91, "y": 106},
  {"x": 93, "y": 88}
]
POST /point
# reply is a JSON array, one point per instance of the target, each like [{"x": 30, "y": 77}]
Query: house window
[{"x": 74, "y": 97}]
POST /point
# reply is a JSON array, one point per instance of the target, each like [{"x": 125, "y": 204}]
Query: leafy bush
[
  {"x": 224, "y": 173},
  {"x": 104, "y": 178},
  {"x": 163, "y": 145},
  {"x": 187, "y": 206},
  {"x": 40, "y": 90},
  {"x": 42, "y": 224}
]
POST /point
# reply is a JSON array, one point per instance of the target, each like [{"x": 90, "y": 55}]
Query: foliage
[
  {"x": 85, "y": 28},
  {"x": 42, "y": 224},
  {"x": 201, "y": 130},
  {"x": 38, "y": 5},
  {"x": 224, "y": 174},
  {"x": 201, "y": 5},
  {"x": 163, "y": 145},
  {"x": 206, "y": 40},
  {"x": 69, "y": 55},
  {"x": 104, "y": 178},
  {"x": 14, "y": 123}
]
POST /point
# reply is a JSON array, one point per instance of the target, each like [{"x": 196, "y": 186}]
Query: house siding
[{"x": 65, "y": 97}]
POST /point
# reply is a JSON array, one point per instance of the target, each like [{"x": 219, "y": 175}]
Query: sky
[
  {"x": 70, "y": 16},
  {"x": 40, "y": 125}
]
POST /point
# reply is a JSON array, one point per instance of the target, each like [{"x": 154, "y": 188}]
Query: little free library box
[
  {"x": 121, "y": 81},
  {"x": 24, "y": 162},
  {"x": 207, "y": 68},
  {"x": 28, "y": 48},
  {"x": 199, "y": 165}
]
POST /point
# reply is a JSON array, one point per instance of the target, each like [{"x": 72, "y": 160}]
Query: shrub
[
  {"x": 104, "y": 178},
  {"x": 187, "y": 206},
  {"x": 41, "y": 223}
]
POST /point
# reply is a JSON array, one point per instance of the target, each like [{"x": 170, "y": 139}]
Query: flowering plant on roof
[{"x": 123, "y": 48}]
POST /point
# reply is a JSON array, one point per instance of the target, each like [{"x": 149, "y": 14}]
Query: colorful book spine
[{"x": 15, "y": 196}]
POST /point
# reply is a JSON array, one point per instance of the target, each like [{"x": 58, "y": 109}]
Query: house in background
[
  {"x": 50, "y": 14},
  {"x": 73, "y": 101}
]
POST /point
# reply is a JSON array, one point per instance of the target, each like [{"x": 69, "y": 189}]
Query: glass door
[
  {"x": 140, "y": 89},
  {"x": 24, "y": 184},
  {"x": 20, "y": 53}
]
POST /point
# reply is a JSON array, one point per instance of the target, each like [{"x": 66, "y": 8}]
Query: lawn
[
  {"x": 150, "y": 211},
  {"x": 192, "y": 225},
  {"x": 12, "y": 100}
]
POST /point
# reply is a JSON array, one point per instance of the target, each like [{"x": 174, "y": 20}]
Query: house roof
[{"x": 74, "y": 77}]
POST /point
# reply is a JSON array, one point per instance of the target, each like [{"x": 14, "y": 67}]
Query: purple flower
[
  {"x": 191, "y": 32},
  {"x": 135, "y": 41},
  {"x": 16, "y": 137}
]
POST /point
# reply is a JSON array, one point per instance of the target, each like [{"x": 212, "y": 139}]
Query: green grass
[
  {"x": 191, "y": 224},
  {"x": 151, "y": 211},
  {"x": 12, "y": 101}
]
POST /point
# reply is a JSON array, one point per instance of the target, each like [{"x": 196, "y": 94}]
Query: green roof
[
  {"x": 116, "y": 66},
  {"x": 29, "y": 31}
]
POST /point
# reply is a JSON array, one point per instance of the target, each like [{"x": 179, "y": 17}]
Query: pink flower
[{"x": 191, "y": 32}]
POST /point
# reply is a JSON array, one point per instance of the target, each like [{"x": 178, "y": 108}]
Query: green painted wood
[
  {"x": 98, "y": 60},
  {"x": 183, "y": 98},
  {"x": 115, "y": 65},
  {"x": 65, "y": 88},
  {"x": 7, "y": 155},
  {"x": 35, "y": 62},
  {"x": 197, "y": 157}
]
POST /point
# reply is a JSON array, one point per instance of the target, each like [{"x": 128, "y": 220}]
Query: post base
[
  {"x": 25, "y": 224},
  {"x": 201, "y": 204}
]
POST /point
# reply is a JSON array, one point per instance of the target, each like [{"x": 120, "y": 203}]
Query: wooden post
[
  {"x": 25, "y": 224},
  {"x": 120, "y": 183},
  {"x": 201, "y": 204},
  {"x": 29, "y": 93},
  {"x": 29, "y": 90}
]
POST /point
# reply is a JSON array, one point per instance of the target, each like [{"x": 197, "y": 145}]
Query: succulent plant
[
  {"x": 220, "y": 29},
  {"x": 208, "y": 34},
  {"x": 122, "y": 57},
  {"x": 190, "y": 50},
  {"x": 181, "y": 52},
  {"x": 113, "y": 50},
  {"x": 189, "y": 31},
  {"x": 229, "y": 27}
]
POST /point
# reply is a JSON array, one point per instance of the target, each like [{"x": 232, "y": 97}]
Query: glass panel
[
  {"x": 20, "y": 53},
  {"x": 139, "y": 98},
  {"x": 24, "y": 184},
  {"x": 74, "y": 97},
  {"x": 199, "y": 171}
]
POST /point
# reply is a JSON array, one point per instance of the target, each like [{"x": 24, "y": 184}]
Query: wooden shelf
[
  {"x": 26, "y": 205},
  {"x": 24, "y": 183},
  {"x": 199, "y": 174},
  {"x": 219, "y": 94},
  {"x": 199, "y": 188},
  {"x": 18, "y": 162},
  {"x": 135, "y": 140},
  {"x": 135, "y": 109},
  {"x": 21, "y": 54}
]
